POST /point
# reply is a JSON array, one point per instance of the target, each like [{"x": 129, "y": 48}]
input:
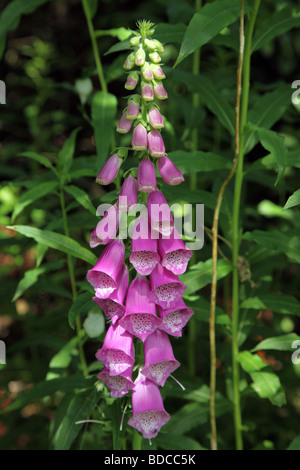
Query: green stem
[
  {"x": 236, "y": 231},
  {"x": 87, "y": 13},
  {"x": 193, "y": 185},
  {"x": 73, "y": 285}
]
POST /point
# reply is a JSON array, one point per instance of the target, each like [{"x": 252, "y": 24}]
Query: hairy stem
[
  {"x": 236, "y": 230},
  {"x": 212, "y": 334},
  {"x": 87, "y": 13},
  {"x": 73, "y": 285},
  {"x": 193, "y": 186}
]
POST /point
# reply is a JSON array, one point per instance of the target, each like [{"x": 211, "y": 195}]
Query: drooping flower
[
  {"x": 132, "y": 81},
  {"x": 160, "y": 92},
  {"x": 128, "y": 195},
  {"x": 175, "y": 318},
  {"x": 166, "y": 288},
  {"x": 159, "y": 358},
  {"x": 130, "y": 61},
  {"x": 113, "y": 307},
  {"x": 119, "y": 384},
  {"x": 148, "y": 410},
  {"x": 140, "y": 317},
  {"x": 107, "y": 228},
  {"x": 139, "y": 138},
  {"x": 146, "y": 177},
  {"x": 144, "y": 256},
  {"x": 155, "y": 118},
  {"x": 117, "y": 352},
  {"x": 103, "y": 276},
  {"x": 160, "y": 215},
  {"x": 156, "y": 144},
  {"x": 109, "y": 170},
  {"x": 124, "y": 125},
  {"x": 157, "y": 72},
  {"x": 147, "y": 71},
  {"x": 169, "y": 172},
  {"x": 133, "y": 107},
  {"x": 174, "y": 253},
  {"x": 147, "y": 92}
]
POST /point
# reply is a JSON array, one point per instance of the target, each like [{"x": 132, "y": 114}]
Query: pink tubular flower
[
  {"x": 169, "y": 172},
  {"x": 174, "y": 254},
  {"x": 148, "y": 410},
  {"x": 124, "y": 125},
  {"x": 156, "y": 144},
  {"x": 144, "y": 256},
  {"x": 107, "y": 227},
  {"x": 147, "y": 72},
  {"x": 119, "y": 384},
  {"x": 139, "y": 138},
  {"x": 113, "y": 307},
  {"x": 146, "y": 177},
  {"x": 175, "y": 318},
  {"x": 103, "y": 276},
  {"x": 132, "y": 81},
  {"x": 94, "y": 240},
  {"x": 109, "y": 170},
  {"x": 133, "y": 107},
  {"x": 160, "y": 215},
  {"x": 128, "y": 195},
  {"x": 157, "y": 72},
  {"x": 159, "y": 358},
  {"x": 166, "y": 288},
  {"x": 147, "y": 92},
  {"x": 140, "y": 317},
  {"x": 117, "y": 352},
  {"x": 160, "y": 91},
  {"x": 155, "y": 118}
]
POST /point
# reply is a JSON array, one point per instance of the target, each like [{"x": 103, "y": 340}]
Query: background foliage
[{"x": 55, "y": 134}]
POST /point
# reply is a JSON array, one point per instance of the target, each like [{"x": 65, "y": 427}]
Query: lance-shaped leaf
[
  {"x": 32, "y": 195},
  {"x": 293, "y": 200},
  {"x": 66, "y": 154},
  {"x": 104, "y": 107},
  {"x": 267, "y": 385},
  {"x": 81, "y": 197},
  {"x": 278, "y": 343},
  {"x": 39, "y": 158},
  {"x": 200, "y": 274},
  {"x": 284, "y": 304}
]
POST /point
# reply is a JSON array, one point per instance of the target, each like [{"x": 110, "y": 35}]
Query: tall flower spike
[
  {"x": 144, "y": 256},
  {"x": 159, "y": 358},
  {"x": 148, "y": 410},
  {"x": 166, "y": 288},
  {"x": 117, "y": 352},
  {"x": 175, "y": 318},
  {"x": 119, "y": 384},
  {"x": 109, "y": 170},
  {"x": 174, "y": 254},
  {"x": 146, "y": 177},
  {"x": 140, "y": 317},
  {"x": 103, "y": 276},
  {"x": 113, "y": 307},
  {"x": 160, "y": 215},
  {"x": 128, "y": 195},
  {"x": 169, "y": 172}
]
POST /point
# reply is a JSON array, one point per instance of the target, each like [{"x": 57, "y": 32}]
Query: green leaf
[
  {"x": 279, "y": 343},
  {"x": 267, "y": 385},
  {"x": 200, "y": 274},
  {"x": 120, "y": 33},
  {"x": 166, "y": 33},
  {"x": 32, "y": 195},
  {"x": 201, "y": 308},
  {"x": 295, "y": 444},
  {"x": 62, "y": 359},
  {"x": 11, "y": 16},
  {"x": 104, "y": 107},
  {"x": 120, "y": 46},
  {"x": 213, "y": 99},
  {"x": 250, "y": 362},
  {"x": 287, "y": 244},
  {"x": 267, "y": 110},
  {"x": 82, "y": 304},
  {"x": 189, "y": 162},
  {"x": 49, "y": 387},
  {"x": 57, "y": 241},
  {"x": 81, "y": 197},
  {"x": 210, "y": 20},
  {"x": 38, "y": 158},
  {"x": 79, "y": 408},
  {"x": 66, "y": 154},
  {"x": 293, "y": 200},
  {"x": 275, "y": 25},
  {"x": 31, "y": 276},
  {"x": 284, "y": 304},
  {"x": 274, "y": 143}
]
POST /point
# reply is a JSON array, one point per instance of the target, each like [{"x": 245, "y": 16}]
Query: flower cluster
[{"x": 154, "y": 308}]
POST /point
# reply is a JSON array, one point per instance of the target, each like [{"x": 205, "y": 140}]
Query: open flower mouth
[
  {"x": 118, "y": 384},
  {"x": 149, "y": 422},
  {"x": 160, "y": 371},
  {"x": 102, "y": 282},
  {"x": 144, "y": 261},
  {"x": 167, "y": 295},
  {"x": 176, "y": 261},
  {"x": 110, "y": 307},
  {"x": 115, "y": 360},
  {"x": 140, "y": 324}
]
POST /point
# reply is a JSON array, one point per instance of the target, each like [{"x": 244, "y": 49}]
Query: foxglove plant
[{"x": 153, "y": 307}]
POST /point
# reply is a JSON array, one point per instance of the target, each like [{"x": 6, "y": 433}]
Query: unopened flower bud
[
  {"x": 109, "y": 170},
  {"x": 158, "y": 46},
  {"x": 155, "y": 57},
  {"x": 139, "y": 138},
  {"x": 129, "y": 62},
  {"x": 140, "y": 56},
  {"x": 124, "y": 125},
  {"x": 133, "y": 107},
  {"x": 160, "y": 91},
  {"x": 147, "y": 72},
  {"x": 135, "y": 41},
  {"x": 155, "y": 118},
  {"x": 132, "y": 81},
  {"x": 157, "y": 72},
  {"x": 150, "y": 44},
  {"x": 156, "y": 144},
  {"x": 147, "y": 92}
]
